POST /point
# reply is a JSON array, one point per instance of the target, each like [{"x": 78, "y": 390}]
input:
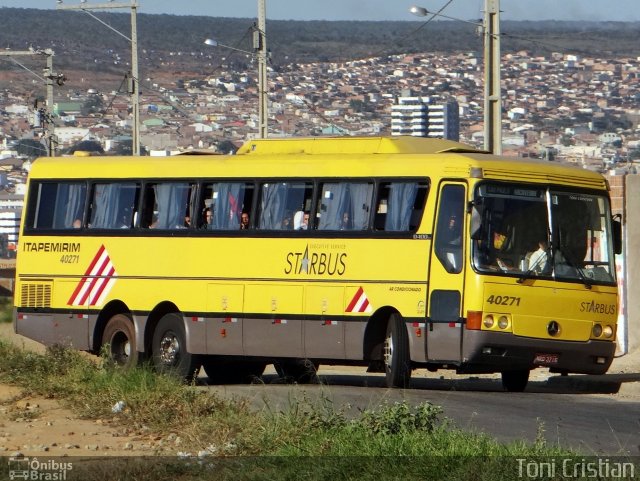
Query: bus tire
[
  {"x": 515, "y": 381},
  {"x": 120, "y": 337},
  {"x": 301, "y": 371},
  {"x": 397, "y": 362},
  {"x": 232, "y": 372},
  {"x": 169, "y": 349}
]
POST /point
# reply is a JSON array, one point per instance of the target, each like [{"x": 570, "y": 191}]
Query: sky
[{"x": 594, "y": 10}]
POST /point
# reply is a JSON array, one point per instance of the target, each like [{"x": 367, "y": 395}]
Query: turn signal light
[{"x": 474, "y": 320}]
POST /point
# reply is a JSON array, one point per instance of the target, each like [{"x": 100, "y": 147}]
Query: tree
[
  {"x": 31, "y": 148},
  {"x": 86, "y": 146},
  {"x": 566, "y": 140}
]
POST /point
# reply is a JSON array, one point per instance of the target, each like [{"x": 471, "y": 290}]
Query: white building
[{"x": 418, "y": 117}]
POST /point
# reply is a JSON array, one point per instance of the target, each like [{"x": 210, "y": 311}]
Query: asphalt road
[{"x": 596, "y": 415}]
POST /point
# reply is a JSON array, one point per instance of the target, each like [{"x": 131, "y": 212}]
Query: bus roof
[
  {"x": 354, "y": 145},
  {"x": 326, "y": 157}
]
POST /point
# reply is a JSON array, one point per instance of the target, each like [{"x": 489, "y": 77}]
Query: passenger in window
[
  {"x": 187, "y": 221},
  {"x": 454, "y": 232},
  {"x": 286, "y": 222},
  {"x": 77, "y": 224},
  {"x": 125, "y": 219},
  {"x": 345, "y": 224},
  {"x": 244, "y": 220},
  {"x": 207, "y": 218},
  {"x": 537, "y": 260},
  {"x": 301, "y": 220}
]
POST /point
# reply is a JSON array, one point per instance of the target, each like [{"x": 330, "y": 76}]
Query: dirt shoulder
[{"x": 34, "y": 425}]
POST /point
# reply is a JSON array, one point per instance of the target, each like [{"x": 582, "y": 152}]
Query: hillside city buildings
[{"x": 558, "y": 107}]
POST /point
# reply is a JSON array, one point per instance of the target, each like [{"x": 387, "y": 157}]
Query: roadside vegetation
[
  {"x": 6, "y": 309},
  {"x": 224, "y": 439}
]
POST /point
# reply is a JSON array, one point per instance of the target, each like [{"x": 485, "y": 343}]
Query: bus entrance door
[{"x": 446, "y": 276}]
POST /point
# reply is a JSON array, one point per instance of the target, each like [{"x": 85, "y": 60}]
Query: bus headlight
[
  {"x": 488, "y": 321},
  {"x": 596, "y": 331},
  {"x": 503, "y": 322},
  {"x": 607, "y": 331}
]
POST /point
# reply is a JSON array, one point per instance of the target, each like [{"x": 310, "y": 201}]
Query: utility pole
[
  {"x": 133, "y": 78},
  {"x": 50, "y": 77},
  {"x": 492, "y": 93},
  {"x": 260, "y": 46}
]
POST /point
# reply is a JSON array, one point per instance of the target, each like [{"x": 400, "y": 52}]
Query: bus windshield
[{"x": 532, "y": 231}]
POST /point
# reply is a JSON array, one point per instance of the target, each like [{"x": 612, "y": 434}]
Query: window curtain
[
  {"x": 335, "y": 202},
  {"x": 343, "y": 198},
  {"x": 105, "y": 209},
  {"x": 172, "y": 202},
  {"x": 113, "y": 206},
  {"x": 361, "y": 205},
  {"x": 228, "y": 206},
  {"x": 402, "y": 196},
  {"x": 272, "y": 205},
  {"x": 69, "y": 205}
]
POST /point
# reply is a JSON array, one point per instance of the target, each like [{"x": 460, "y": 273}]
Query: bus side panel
[
  {"x": 224, "y": 334},
  {"x": 324, "y": 337},
  {"x": 274, "y": 330},
  {"x": 354, "y": 339}
]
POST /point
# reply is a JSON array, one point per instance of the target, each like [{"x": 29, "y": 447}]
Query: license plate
[{"x": 546, "y": 359}]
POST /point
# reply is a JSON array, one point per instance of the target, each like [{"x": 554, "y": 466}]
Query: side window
[
  {"x": 57, "y": 205},
  {"x": 113, "y": 205},
  {"x": 449, "y": 228},
  {"x": 226, "y": 206},
  {"x": 167, "y": 205},
  {"x": 345, "y": 206},
  {"x": 285, "y": 206},
  {"x": 400, "y": 206}
]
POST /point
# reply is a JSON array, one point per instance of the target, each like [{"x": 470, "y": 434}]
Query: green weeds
[{"x": 393, "y": 441}]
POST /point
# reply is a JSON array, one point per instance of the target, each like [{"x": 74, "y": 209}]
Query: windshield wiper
[
  {"x": 586, "y": 281},
  {"x": 526, "y": 275}
]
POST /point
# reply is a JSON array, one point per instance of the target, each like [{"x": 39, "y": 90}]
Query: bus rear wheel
[
  {"x": 120, "y": 337},
  {"x": 515, "y": 381},
  {"x": 397, "y": 363},
  {"x": 169, "y": 349}
]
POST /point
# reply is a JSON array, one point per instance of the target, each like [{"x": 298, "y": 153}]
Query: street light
[
  {"x": 260, "y": 51},
  {"x": 262, "y": 91},
  {"x": 133, "y": 79},
  {"x": 214, "y": 43},
  {"x": 492, "y": 94}
]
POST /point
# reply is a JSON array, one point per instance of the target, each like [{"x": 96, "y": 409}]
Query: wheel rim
[
  {"x": 120, "y": 347},
  {"x": 388, "y": 352},
  {"x": 169, "y": 349}
]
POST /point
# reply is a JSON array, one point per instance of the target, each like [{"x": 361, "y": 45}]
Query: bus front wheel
[
  {"x": 120, "y": 337},
  {"x": 397, "y": 363},
  {"x": 515, "y": 381},
  {"x": 169, "y": 349}
]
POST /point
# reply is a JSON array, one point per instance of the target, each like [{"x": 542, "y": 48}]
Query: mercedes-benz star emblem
[{"x": 553, "y": 328}]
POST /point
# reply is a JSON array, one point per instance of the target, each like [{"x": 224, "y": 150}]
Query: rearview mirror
[{"x": 616, "y": 226}]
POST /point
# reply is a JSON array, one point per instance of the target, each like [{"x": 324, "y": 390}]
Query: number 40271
[
  {"x": 503, "y": 300},
  {"x": 70, "y": 259}
]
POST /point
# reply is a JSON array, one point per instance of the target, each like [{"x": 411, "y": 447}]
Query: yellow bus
[{"x": 393, "y": 253}]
